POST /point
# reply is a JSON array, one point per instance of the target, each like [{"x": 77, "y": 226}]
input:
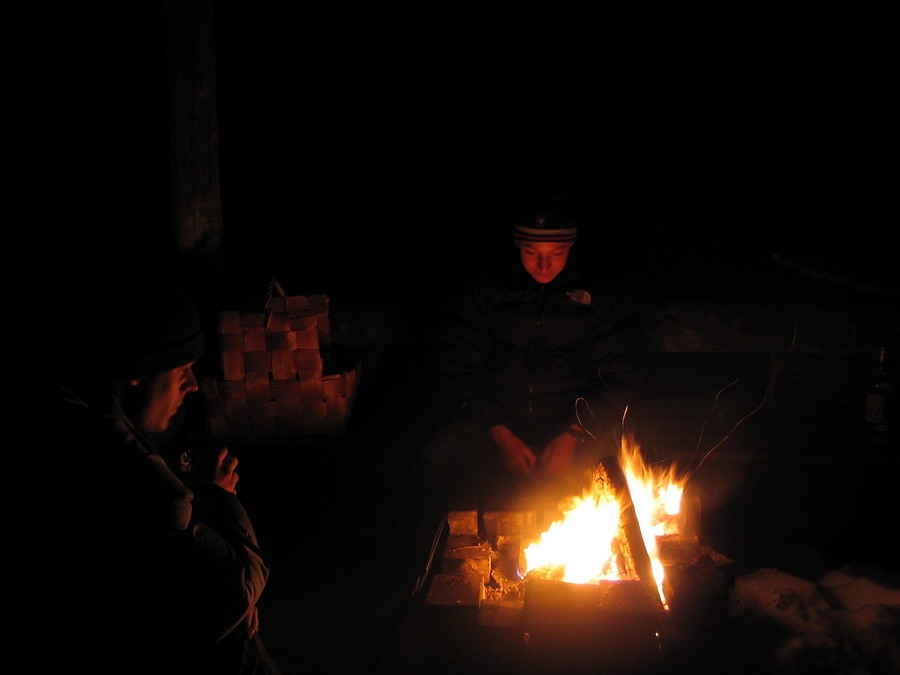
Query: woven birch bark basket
[{"x": 275, "y": 379}]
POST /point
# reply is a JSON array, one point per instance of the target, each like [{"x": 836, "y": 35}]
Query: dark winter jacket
[
  {"x": 131, "y": 571},
  {"x": 537, "y": 357}
]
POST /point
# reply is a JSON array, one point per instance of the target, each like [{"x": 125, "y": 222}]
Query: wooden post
[{"x": 190, "y": 69}]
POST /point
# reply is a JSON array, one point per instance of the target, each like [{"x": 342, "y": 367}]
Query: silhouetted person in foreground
[{"x": 128, "y": 570}]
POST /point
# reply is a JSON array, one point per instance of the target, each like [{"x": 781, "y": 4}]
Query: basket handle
[{"x": 271, "y": 289}]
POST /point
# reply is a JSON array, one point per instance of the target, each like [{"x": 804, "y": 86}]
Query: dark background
[{"x": 381, "y": 152}]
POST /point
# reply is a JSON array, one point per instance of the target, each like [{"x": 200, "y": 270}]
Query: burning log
[{"x": 633, "y": 540}]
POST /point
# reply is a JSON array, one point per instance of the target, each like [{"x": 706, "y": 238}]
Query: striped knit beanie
[{"x": 551, "y": 227}]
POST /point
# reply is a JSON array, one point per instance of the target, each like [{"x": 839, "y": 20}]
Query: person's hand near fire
[
  {"x": 518, "y": 458},
  {"x": 557, "y": 457},
  {"x": 559, "y": 454}
]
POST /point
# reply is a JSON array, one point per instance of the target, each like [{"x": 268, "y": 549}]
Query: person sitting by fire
[
  {"x": 538, "y": 360},
  {"x": 127, "y": 568}
]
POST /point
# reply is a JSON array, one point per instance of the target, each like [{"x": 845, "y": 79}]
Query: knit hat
[
  {"x": 142, "y": 329},
  {"x": 552, "y": 227}
]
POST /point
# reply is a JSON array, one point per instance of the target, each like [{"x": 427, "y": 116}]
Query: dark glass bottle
[{"x": 879, "y": 399}]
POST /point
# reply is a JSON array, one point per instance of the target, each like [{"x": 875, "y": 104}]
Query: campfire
[
  {"x": 619, "y": 568},
  {"x": 590, "y": 542}
]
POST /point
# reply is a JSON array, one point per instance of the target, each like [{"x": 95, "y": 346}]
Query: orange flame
[{"x": 583, "y": 546}]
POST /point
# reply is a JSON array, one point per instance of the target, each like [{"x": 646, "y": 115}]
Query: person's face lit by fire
[
  {"x": 155, "y": 400},
  {"x": 543, "y": 260}
]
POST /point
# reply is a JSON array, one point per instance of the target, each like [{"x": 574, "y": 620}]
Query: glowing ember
[{"x": 586, "y": 545}]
